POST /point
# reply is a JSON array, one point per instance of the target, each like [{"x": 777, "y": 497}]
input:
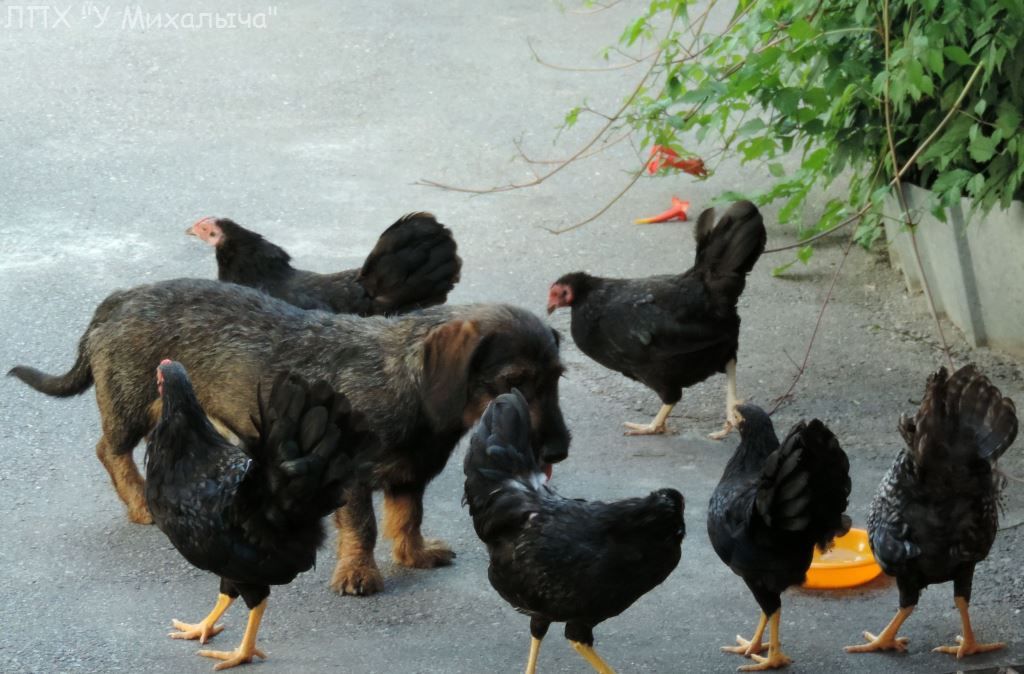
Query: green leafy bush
[{"x": 812, "y": 76}]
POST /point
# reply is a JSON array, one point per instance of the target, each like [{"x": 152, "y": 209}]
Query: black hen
[
  {"x": 413, "y": 265},
  {"x": 557, "y": 559},
  {"x": 935, "y": 514},
  {"x": 773, "y": 505},
  {"x": 672, "y": 331},
  {"x": 253, "y": 519}
]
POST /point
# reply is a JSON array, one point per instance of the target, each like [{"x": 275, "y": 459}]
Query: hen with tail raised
[
  {"x": 670, "y": 332},
  {"x": 936, "y": 512},
  {"x": 413, "y": 265}
]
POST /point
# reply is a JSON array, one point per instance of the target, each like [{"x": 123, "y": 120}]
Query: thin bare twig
[
  {"x": 596, "y": 113},
  {"x": 945, "y": 120},
  {"x": 530, "y": 160},
  {"x": 894, "y": 182},
  {"x": 605, "y": 69},
  {"x": 899, "y": 174},
  {"x": 601, "y": 6},
  {"x": 904, "y": 208},
  {"x": 820, "y": 235},
  {"x": 627, "y": 55},
  {"x": 579, "y": 153},
  {"x": 926, "y": 287},
  {"x": 701, "y": 20},
  {"x": 782, "y": 399},
  {"x": 603, "y": 210}
]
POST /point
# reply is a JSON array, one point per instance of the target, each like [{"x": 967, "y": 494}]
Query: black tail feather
[
  {"x": 805, "y": 484},
  {"x": 965, "y": 413},
  {"x": 728, "y": 250},
  {"x": 414, "y": 264},
  {"x": 312, "y": 445}
]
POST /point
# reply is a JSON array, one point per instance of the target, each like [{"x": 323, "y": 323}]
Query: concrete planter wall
[{"x": 975, "y": 268}]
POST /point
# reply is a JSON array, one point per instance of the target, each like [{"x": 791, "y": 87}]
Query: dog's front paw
[
  {"x": 358, "y": 579},
  {"x": 139, "y": 514},
  {"x": 431, "y": 554}
]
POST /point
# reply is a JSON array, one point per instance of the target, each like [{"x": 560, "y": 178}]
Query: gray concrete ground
[{"x": 312, "y": 131}]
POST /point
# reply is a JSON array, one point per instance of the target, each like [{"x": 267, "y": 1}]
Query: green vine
[{"x": 809, "y": 76}]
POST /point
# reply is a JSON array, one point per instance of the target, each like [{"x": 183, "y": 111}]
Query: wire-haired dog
[{"x": 422, "y": 380}]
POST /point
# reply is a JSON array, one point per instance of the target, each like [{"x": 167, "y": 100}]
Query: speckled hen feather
[{"x": 936, "y": 511}]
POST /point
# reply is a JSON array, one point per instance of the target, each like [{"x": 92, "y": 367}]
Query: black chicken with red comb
[
  {"x": 413, "y": 265},
  {"x": 252, "y": 517}
]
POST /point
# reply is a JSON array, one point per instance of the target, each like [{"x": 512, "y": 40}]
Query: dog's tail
[
  {"x": 78, "y": 379},
  {"x": 75, "y": 381}
]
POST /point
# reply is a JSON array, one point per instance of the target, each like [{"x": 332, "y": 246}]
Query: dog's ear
[{"x": 447, "y": 354}]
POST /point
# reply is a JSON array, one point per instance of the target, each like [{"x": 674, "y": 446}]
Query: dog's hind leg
[
  {"x": 356, "y": 571},
  {"x": 403, "y": 516},
  {"x": 127, "y": 481}
]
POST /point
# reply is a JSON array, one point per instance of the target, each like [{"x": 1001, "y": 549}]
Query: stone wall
[{"x": 974, "y": 265}]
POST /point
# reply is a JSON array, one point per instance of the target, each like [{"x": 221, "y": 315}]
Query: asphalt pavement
[{"x": 311, "y": 125}]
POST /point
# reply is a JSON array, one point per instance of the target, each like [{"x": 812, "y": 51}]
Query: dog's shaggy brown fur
[{"x": 422, "y": 380}]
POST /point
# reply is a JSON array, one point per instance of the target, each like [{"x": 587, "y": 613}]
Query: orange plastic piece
[
  {"x": 848, "y": 564},
  {"x": 677, "y": 212}
]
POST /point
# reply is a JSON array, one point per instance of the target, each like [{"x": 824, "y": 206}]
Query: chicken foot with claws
[
  {"x": 207, "y": 628},
  {"x": 748, "y": 648}
]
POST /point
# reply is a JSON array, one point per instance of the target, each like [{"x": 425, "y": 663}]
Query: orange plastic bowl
[{"x": 847, "y": 564}]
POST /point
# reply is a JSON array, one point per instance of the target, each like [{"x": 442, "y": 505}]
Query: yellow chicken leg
[
  {"x": 531, "y": 663},
  {"x": 967, "y": 644},
  {"x": 591, "y": 656},
  {"x": 731, "y": 402},
  {"x": 246, "y": 650},
  {"x": 748, "y": 648},
  {"x": 207, "y": 627},
  {"x": 656, "y": 427},
  {"x": 776, "y": 658},
  {"x": 887, "y": 640}
]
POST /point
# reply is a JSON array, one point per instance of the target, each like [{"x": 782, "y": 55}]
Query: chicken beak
[
  {"x": 551, "y": 308},
  {"x": 193, "y": 231}
]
